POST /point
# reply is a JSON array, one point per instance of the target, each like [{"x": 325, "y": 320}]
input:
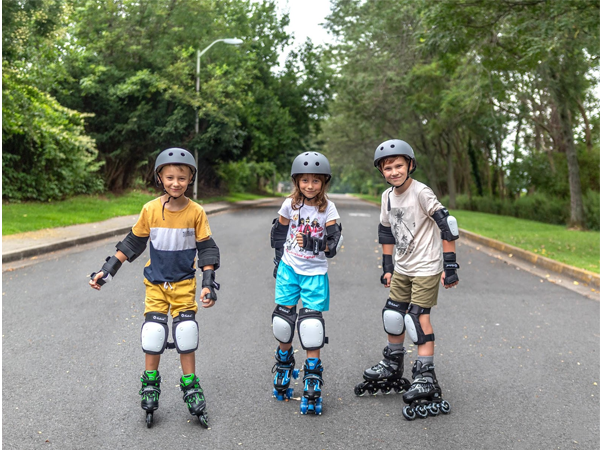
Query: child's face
[
  {"x": 395, "y": 171},
  {"x": 309, "y": 185},
  {"x": 175, "y": 179}
]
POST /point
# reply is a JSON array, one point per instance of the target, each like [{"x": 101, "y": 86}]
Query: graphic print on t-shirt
[
  {"x": 302, "y": 225},
  {"x": 403, "y": 226}
]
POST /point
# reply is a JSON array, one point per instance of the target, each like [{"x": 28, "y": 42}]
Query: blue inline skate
[
  {"x": 385, "y": 375},
  {"x": 193, "y": 396},
  {"x": 284, "y": 371},
  {"x": 150, "y": 393},
  {"x": 311, "y": 402},
  {"x": 424, "y": 398}
]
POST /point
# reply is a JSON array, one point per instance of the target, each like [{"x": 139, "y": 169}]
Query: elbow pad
[
  {"x": 132, "y": 246},
  {"x": 278, "y": 234},
  {"x": 334, "y": 239},
  {"x": 208, "y": 253},
  {"x": 447, "y": 224},
  {"x": 385, "y": 235}
]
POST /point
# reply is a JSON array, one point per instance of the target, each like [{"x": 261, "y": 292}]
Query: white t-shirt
[
  {"x": 303, "y": 220},
  {"x": 418, "y": 241}
]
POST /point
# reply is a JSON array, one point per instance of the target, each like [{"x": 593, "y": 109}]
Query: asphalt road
[{"x": 517, "y": 358}]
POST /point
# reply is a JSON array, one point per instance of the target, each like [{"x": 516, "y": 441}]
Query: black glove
[
  {"x": 450, "y": 266},
  {"x": 313, "y": 244},
  {"x": 278, "y": 255},
  {"x": 109, "y": 270},
  {"x": 388, "y": 266},
  {"x": 208, "y": 281}
]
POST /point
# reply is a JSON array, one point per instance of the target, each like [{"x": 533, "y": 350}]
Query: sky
[{"x": 305, "y": 17}]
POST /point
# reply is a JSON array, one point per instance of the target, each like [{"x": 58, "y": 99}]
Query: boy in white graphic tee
[
  {"x": 301, "y": 253},
  {"x": 410, "y": 222},
  {"x": 180, "y": 240}
]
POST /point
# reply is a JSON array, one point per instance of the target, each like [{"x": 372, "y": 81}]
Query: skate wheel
[
  {"x": 409, "y": 413},
  {"x": 434, "y": 410},
  {"x": 303, "y": 406},
  {"x": 149, "y": 417},
  {"x": 422, "y": 411},
  {"x": 203, "y": 418},
  {"x": 386, "y": 390},
  {"x": 289, "y": 393},
  {"x": 358, "y": 390},
  {"x": 295, "y": 373},
  {"x": 319, "y": 408},
  {"x": 372, "y": 391},
  {"x": 445, "y": 407}
]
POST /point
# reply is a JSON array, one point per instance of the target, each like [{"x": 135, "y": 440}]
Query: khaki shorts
[
  {"x": 177, "y": 296},
  {"x": 422, "y": 291}
]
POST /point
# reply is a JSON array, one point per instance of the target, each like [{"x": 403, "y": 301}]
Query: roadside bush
[{"x": 246, "y": 176}]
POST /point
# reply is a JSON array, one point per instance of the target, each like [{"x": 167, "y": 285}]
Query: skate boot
[
  {"x": 193, "y": 396},
  {"x": 385, "y": 375},
  {"x": 284, "y": 371},
  {"x": 425, "y": 395},
  {"x": 311, "y": 402},
  {"x": 150, "y": 393}
]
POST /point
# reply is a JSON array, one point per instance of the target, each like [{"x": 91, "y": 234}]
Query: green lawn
[
  {"x": 575, "y": 248},
  {"x": 31, "y": 216}
]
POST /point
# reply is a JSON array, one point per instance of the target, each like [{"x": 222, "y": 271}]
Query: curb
[
  {"x": 580, "y": 274},
  {"x": 17, "y": 255}
]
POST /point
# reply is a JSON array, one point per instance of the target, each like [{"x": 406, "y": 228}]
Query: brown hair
[
  {"x": 389, "y": 159},
  {"x": 320, "y": 199}
]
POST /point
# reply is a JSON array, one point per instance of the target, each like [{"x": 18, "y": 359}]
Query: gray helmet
[
  {"x": 175, "y": 156},
  {"x": 312, "y": 162},
  {"x": 394, "y": 147}
]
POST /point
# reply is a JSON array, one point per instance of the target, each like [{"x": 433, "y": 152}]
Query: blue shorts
[{"x": 291, "y": 287}]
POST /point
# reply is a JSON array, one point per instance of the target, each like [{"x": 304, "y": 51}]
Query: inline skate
[
  {"x": 193, "y": 396},
  {"x": 284, "y": 371},
  {"x": 385, "y": 375},
  {"x": 311, "y": 402},
  {"x": 424, "y": 398},
  {"x": 150, "y": 393}
]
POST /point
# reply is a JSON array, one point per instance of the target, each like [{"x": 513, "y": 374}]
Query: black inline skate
[
  {"x": 385, "y": 375},
  {"x": 424, "y": 398},
  {"x": 193, "y": 396},
  {"x": 311, "y": 402},
  {"x": 284, "y": 371},
  {"x": 150, "y": 393}
]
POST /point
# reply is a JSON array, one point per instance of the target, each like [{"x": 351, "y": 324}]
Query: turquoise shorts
[{"x": 291, "y": 287}]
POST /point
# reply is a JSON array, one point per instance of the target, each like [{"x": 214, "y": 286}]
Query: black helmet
[
  {"x": 312, "y": 162},
  {"x": 174, "y": 156},
  {"x": 394, "y": 147}
]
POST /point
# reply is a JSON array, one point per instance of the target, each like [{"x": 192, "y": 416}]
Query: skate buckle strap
[{"x": 313, "y": 376}]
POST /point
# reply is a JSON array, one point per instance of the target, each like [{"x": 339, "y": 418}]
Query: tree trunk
[
  {"x": 576, "y": 220},
  {"x": 588, "y": 130}
]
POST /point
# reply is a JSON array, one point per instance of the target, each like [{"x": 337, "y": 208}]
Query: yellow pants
[{"x": 177, "y": 296}]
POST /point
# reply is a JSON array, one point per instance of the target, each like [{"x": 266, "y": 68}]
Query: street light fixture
[{"x": 233, "y": 41}]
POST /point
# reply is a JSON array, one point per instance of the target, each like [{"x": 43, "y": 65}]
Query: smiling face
[
  {"x": 395, "y": 170},
  {"x": 176, "y": 179},
  {"x": 310, "y": 185}
]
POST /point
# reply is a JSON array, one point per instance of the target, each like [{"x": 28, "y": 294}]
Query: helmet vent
[
  {"x": 317, "y": 163},
  {"x": 170, "y": 153},
  {"x": 306, "y": 163},
  {"x": 392, "y": 145},
  {"x": 183, "y": 154},
  {"x": 381, "y": 148}
]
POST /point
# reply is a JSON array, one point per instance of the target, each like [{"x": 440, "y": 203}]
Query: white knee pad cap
[
  {"x": 311, "y": 329},
  {"x": 154, "y": 333},
  {"x": 393, "y": 322},
  {"x": 185, "y": 332},
  {"x": 284, "y": 321}
]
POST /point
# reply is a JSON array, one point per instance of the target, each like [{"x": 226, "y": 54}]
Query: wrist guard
[
  {"x": 450, "y": 266},
  {"x": 313, "y": 244},
  {"x": 109, "y": 270},
  {"x": 208, "y": 281},
  {"x": 278, "y": 255},
  {"x": 388, "y": 266}
]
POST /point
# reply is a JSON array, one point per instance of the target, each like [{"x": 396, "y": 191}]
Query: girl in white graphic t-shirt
[{"x": 301, "y": 274}]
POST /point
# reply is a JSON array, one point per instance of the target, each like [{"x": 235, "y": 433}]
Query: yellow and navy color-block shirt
[{"x": 172, "y": 240}]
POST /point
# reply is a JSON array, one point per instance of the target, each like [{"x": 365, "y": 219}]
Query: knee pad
[
  {"x": 185, "y": 332},
  {"x": 311, "y": 329},
  {"x": 413, "y": 326},
  {"x": 284, "y": 323},
  {"x": 154, "y": 333},
  {"x": 393, "y": 317}
]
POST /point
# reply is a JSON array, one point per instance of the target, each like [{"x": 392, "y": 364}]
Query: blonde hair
[{"x": 320, "y": 199}]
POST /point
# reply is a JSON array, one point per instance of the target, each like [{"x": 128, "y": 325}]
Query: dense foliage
[{"x": 496, "y": 97}]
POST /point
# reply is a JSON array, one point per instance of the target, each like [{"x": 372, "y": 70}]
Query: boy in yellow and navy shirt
[{"x": 178, "y": 231}]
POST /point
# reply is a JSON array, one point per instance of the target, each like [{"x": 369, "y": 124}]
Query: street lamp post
[{"x": 233, "y": 41}]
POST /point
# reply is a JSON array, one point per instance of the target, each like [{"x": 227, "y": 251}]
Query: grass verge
[
  {"x": 32, "y": 216},
  {"x": 576, "y": 248}
]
